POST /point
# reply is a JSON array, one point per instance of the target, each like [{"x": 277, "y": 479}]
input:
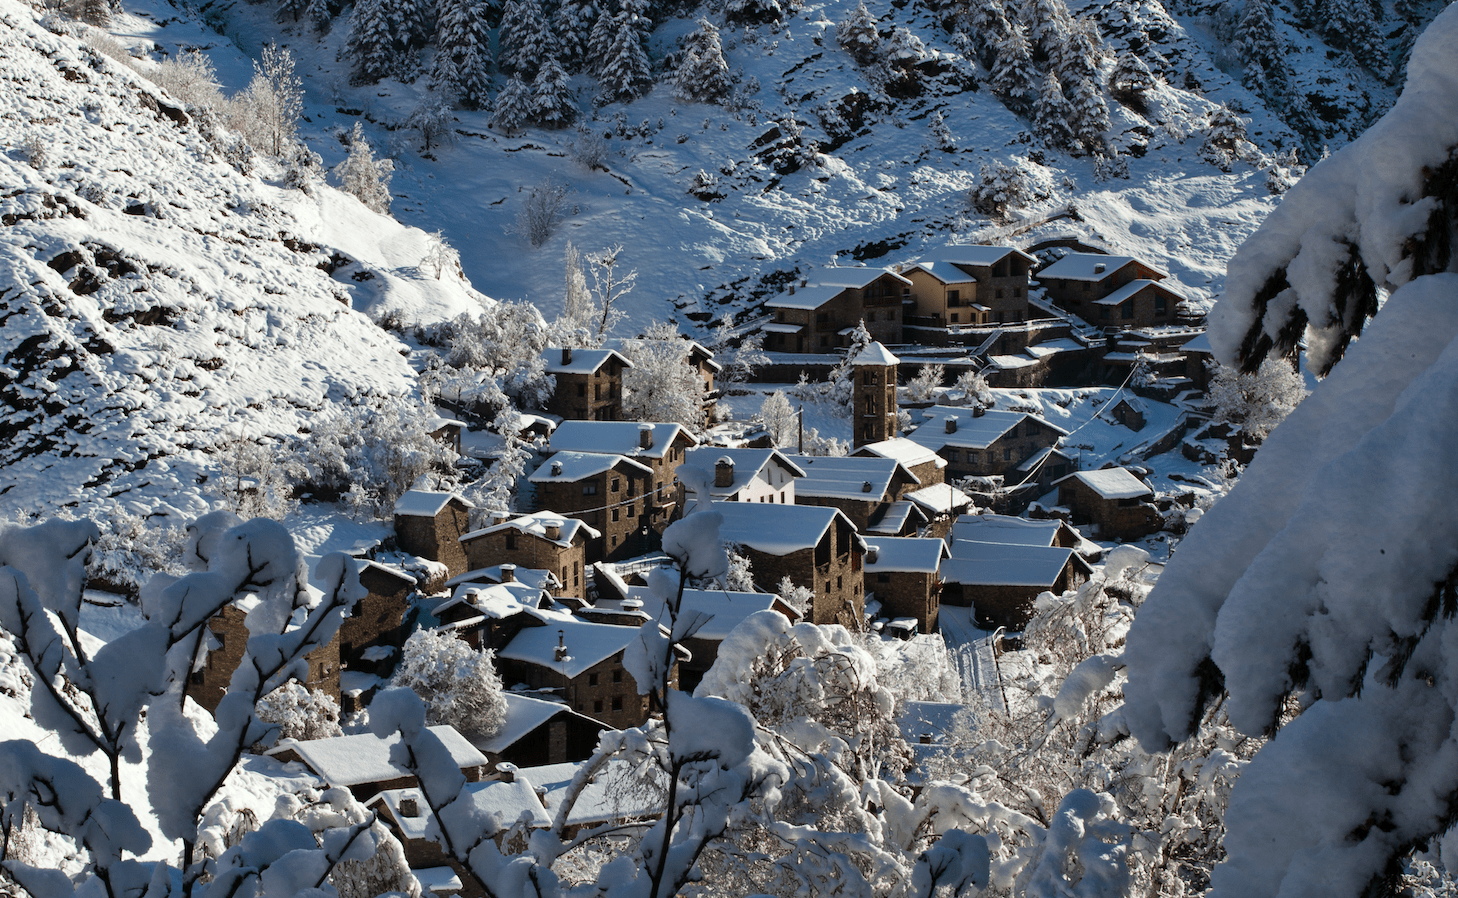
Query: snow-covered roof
[
  {"x": 726, "y": 608},
  {"x": 1134, "y": 402},
  {"x": 940, "y": 498},
  {"x": 493, "y": 798},
  {"x": 774, "y": 327},
  {"x": 435, "y": 880},
  {"x": 906, "y": 451},
  {"x": 534, "y": 577},
  {"x": 1112, "y": 483},
  {"x": 494, "y": 600},
  {"x": 587, "y": 644},
  {"x": 1001, "y": 564},
  {"x": 584, "y": 361},
  {"x": 945, "y": 272},
  {"x": 1131, "y": 289},
  {"x": 365, "y": 758},
  {"x": 363, "y": 564},
  {"x": 1032, "y": 461},
  {"x": 1086, "y": 267},
  {"x": 978, "y": 254},
  {"x": 847, "y": 476},
  {"x": 523, "y": 714},
  {"x": 570, "y": 467},
  {"x": 973, "y": 431},
  {"x": 1052, "y": 347},
  {"x": 805, "y": 298},
  {"x": 437, "y": 422},
  {"x": 617, "y": 438},
  {"x": 895, "y": 519},
  {"x": 875, "y": 354},
  {"x": 613, "y": 793},
  {"x": 919, "y": 719},
  {"x": 694, "y": 348},
  {"x": 905, "y": 553},
  {"x": 425, "y": 503},
  {"x": 537, "y": 523},
  {"x": 1008, "y": 362},
  {"x": 776, "y": 529},
  {"x": 1200, "y": 344},
  {"x": 748, "y": 463},
  {"x": 1005, "y": 529},
  {"x": 851, "y": 276}
]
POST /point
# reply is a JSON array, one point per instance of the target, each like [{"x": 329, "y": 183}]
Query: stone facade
[
  {"x": 811, "y": 320},
  {"x": 970, "y": 292},
  {"x": 508, "y": 545},
  {"x": 377, "y": 620},
  {"x": 587, "y": 395},
  {"x": 832, "y": 570},
  {"x": 614, "y": 502},
  {"x": 908, "y": 594},
  {"x": 1003, "y": 454},
  {"x": 873, "y": 397},
  {"x": 605, "y": 692},
  {"x": 1125, "y": 519},
  {"x": 209, "y": 684},
  {"x": 437, "y": 538}
]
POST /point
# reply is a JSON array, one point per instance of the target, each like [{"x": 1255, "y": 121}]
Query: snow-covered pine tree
[
  {"x": 513, "y": 106},
  {"x": 374, "y": 42},
  {"x": 987, "y": 24},
  {"x": 1131, "y": 80},
  {"x": 1256, "y": 41},
  {"x": 1052, "y": 114},
  {"x": 1081, "y": 53},
  {"x": 1225, "y": 139},
  {"x": 626, "y": 74},
  {"x": 703, "y": 77},
  {"x": 552, "y": 105},
  {"x": 463, "y": 51},
  {"x": 1012, "y": 71},
  {"x": 572, "y": 23},
  {"x": 600, "y": 40},
  {"x": 319, "y": 14},
  {"x": 524, "y": 40},
  {"x": 857, "y": 34},
  {"x": 1049, "y": 25},
  {"x": 367, "y": 178},
  {"x": 1090, "y": 115},
  {"x": 1351, "y": 24},
  {"x": 1325, "y": 584}
]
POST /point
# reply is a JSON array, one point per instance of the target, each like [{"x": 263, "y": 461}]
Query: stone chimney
[
  {"x": 792, "y": 289},
  {"x": 952, "y": 423},
  {"x": 871, "y": 553},
  {"x": 409, "y": 807},
  {"x": 645, "y": 436},
  {"x": 566, "y": 355},
  {"x": 1099, "y": 267},
  {"x": 724, "y": 471},
  {"x": 556, "y": 469},
  {"x": 507, "y": 771},
  {"x": 978, "y": 411},
  {"x": 554, "y": 529},
  {"x": 865, "y": 486},
  {"x": 560, "y": 653},
  {"x": 508, "y": 573}
]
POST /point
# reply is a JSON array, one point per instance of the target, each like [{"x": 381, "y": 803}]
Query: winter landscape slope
[{"x": 154, "y": 302}]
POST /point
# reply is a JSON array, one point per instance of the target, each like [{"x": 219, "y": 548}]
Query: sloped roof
[
  {"x": 587, "y": 644},
  {"x": 776, "y": 529},
  {"x": 747, "y": 465},
  {"x": 896, "y": 517},
  {"x": 875, "y": 354},
  {"x": 493, "y": 600},
  {"x": 1200, "y": 344},
  {"x": 612, "y": 794},
  {"x": 523, "y": 714},
  {"x": 425, "y": 503},
  {"x": 570, "y": 467},
  {"x": 940, "y": 498},
  {"x": 945, "y": 272},
  {"x": 1132, "y": 289},
  {"x": 1033, "y": 460},
  {"x": 1081, "y": 267},
  {"x": 694, "y": 348},
  {"x": 845, "y": 477},
  {"x": 584, "y": 361},
  {"x": 1005, "y": 529},
  {"x": 365, "y": 758},
  {"x": 493, "y": 798},
  {"x": 805, "y": 298},
  {"x": 978, "y": 254},
  {"x": 908, "y": 452},
  {"x": 973, "y": 431},
  {"x": 537, "y": 523},
  {"x": 905, "y": 553},
  {"x": 1112, "y": 483},
  {"x": 1001, "y": 564},
  {"x": 725, "y": 608},
  {"x": 616, "y": 438},
  {"x": 852, "y": 276},
  {"x": 535, "y": 577}
]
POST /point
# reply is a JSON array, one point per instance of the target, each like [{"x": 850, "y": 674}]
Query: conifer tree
[
  {"x": 524, "y": 38},
  {"x": 463, "y": 52},
  {"x": 364, "y": 176},
  {"x": 552, "y": 105},
  {"x": 1051, "y": 114},
  {"x": 1131, "y": 80},
  {"x": 513, "y": 106},
  {"x": 572, "y": 24},
  {"x": 373, "y": 41},
  {"x": 1012, "y": 73},
  {"x": 1048, "y": 24},
  {"x": 857, "y": 34},
  {"x": 703, "y": 77},
  {"x": 320, "y": 14},
  {"x": 1090, "y": 119},
  {"x": 1256, "y": 41},
  {"x": 1080, "y": 52},
  {"x": 625, "y": 73},
  {"x": 600, "y": 40},
  {"x": 989, "y": 26}
]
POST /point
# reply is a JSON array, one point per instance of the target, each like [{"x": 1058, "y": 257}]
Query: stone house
[
  {"x": 983, "y": 443},
  {"x": 615, "y": 793},
  {"x": 589, "y": 383},
  {"x": 430, "y": 524},
  {"x": 446, "y": 431},
  {"x": 227, "y": 638},
  {"x": 999, "y": 581},
  {"x": 362, "y": 763},
  {"x": 1199, "y": 356},
  {"x": 611, "y": 493},
  {"x": 939, "y": 505},
  {"x": 1043, "y": 468},
  {"x": 817, "y": 548},
  {"x": 1110, "y": 291},
  {"x": 904, "y": 574},
  {"x": 873, "y": 395},
  {"x": 1129, "y": 411},
  {"x": 541, "y": 732},
  {"x": 819, "y": 317},
  {"x": 864, "y": 488},
  {"x": 746, "y": 475},
  {"x": 542, "y": 540},
  {"x": 970, "y": 285},
  {"x": 924, "y": 463},
  {"x": 370, "y": 637},
  {"x": 488, "y": 616},
  {"x": 1009, "y": 530},
  {"x": 581, "y": 662},
  {"x": 660, "y": 446},
  {"x": 1113, "y": 500}
]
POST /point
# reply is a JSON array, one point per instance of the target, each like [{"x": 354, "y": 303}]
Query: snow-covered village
[{"x": 647, "y": 448}]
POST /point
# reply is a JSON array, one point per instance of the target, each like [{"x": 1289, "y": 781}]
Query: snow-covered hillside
[{"x": 155, "y": 302}]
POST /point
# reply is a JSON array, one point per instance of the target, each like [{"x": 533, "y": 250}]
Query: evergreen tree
[
  {"x": 1012, "y": 73},
  {"x": 989, "y": 25},
  {"x": 525, "y": 39},
  {"x": 367, "y": 178},
  {"x": 572, "y": 24},
  {"x": 600, "y": 40},
  {"x": 1256, "y": 41},
  {"x": 1051, "y": 114},
  {"x": 625, "y": 73},
  {"x": 1090, "y": 119},
  {"x": 320, "y": 14},
  {"x": 374, "y": 42},
  {"x": 1130, "y": 80},
  {"x": 513, "y": 106},
  {"x": 1350, "y": 24},
  {"x": 1049, "y": 23},
  {"x": 703, "y": 77},
  {"x": 857, "y": 34},
  {"x": 552, "y": 105},
  {"x": 415, "y": 21},
  {"x": 463, "y": 52},
  {"x": 1079, "y": 54}
]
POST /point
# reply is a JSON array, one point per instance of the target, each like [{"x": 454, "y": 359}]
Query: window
[
  {"x": 511, "y": 540},
  {"x": 822, "y": 317},
  {"x": 592, "y": 679},
  {"x": 1161, "y": 305},
  {"x": 883, "y": 578},
  {"x": 952, "y": 455},
  {"x": 617, "y": 484},
  {"x": 617, "y": 676},
  {"x": 589, "y": 489},
  {"x": 581, "y": 390},
  {"x": 838, "y": 582},
  {"x": 1007, "y": 453},
  {"x": 615, "y": 542},
  {"x": 954, "y": 297},
  {"x": 576, "y": 573},
  {"x": 1017, "y": 292},
  {"x": 1126, "y": 310},
  {"x": 615, "y": 513},
  {"x": 1104, "y": 312},
  {"x": 999, "y": 293},
  {"x": 1087, "y": 286},
  {"x": 956, "y": 317},
  {"x": 597, "y": 391},
  {"x": 1030, "y": 427},
  {"x": 597, "y": 706},
  {"x": 868, "y": 378},
  {"x": 617, "y": 703}
]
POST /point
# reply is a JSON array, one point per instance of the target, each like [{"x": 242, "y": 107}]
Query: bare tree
[{"x": 610, "y": 285}]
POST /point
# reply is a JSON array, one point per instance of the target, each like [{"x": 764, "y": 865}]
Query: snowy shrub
[
  {"x": 132, "y": 548},
  {"x": 797, "y": 597},
  {"x": 251, "y": 480},
  {"x": 363, "y": 176},
  {"x": 1225, "y": 140},
  {"x": 974, "y": 390},
  {"x": 857, "y": 34},
  {"x": 460, "y": 685},
  {"x": 662, "y": 385},
  {"x": 300, "y": 713},
  {"x": 779, "y": 418},
  {"x": 1283, "y": 171},
  {"x": 493, "y": 357},
  {"x": 33, "y": 148},
  {"x": 588, "y": 149},
  {"x": 923, "y": 386},
  {"x": 497, "y": 488},
  {"x": 1259, "y": 401},
  {"x": 541, "y": 212},
  {"x": 1002, "y": 187},
  {"x": 440, "y": 257},
  {"x": 431, "y": 120}
]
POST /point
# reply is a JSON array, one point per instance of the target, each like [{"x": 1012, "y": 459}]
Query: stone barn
[{"x": 431, "y": 524}]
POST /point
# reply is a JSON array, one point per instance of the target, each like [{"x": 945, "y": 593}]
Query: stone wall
[
  {"x": 438, "y": 538},
  {"x": 531, "y": 551},
  {"x": 908, "y": 594},
  {"x": 208, "y": 685}
]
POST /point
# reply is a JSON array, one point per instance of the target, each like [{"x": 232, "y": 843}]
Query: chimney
[
  {"x": 507, "y": 771},
  {"x": 473, "y": 596},
  {"x": 409, "y": 807},
  {"x": 556, "y": 469},
  {"x": 508, "y": 573},
  {"x": 724, "y": 471},
  {"x": 1099, "y": 267},
  {"x": 792, "y": 289},
  {"x": 978, "y": 411},
  {"x": 865, "y": 486},
  {"x": 566, "y": 355},
  {"x": 560, "y": 652},
  {"x": 554, "y": 529},
  {"x": 952, "y": 423},
  {"x": 645, "y": 436},
  {"x": 871, "y": 554}
]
